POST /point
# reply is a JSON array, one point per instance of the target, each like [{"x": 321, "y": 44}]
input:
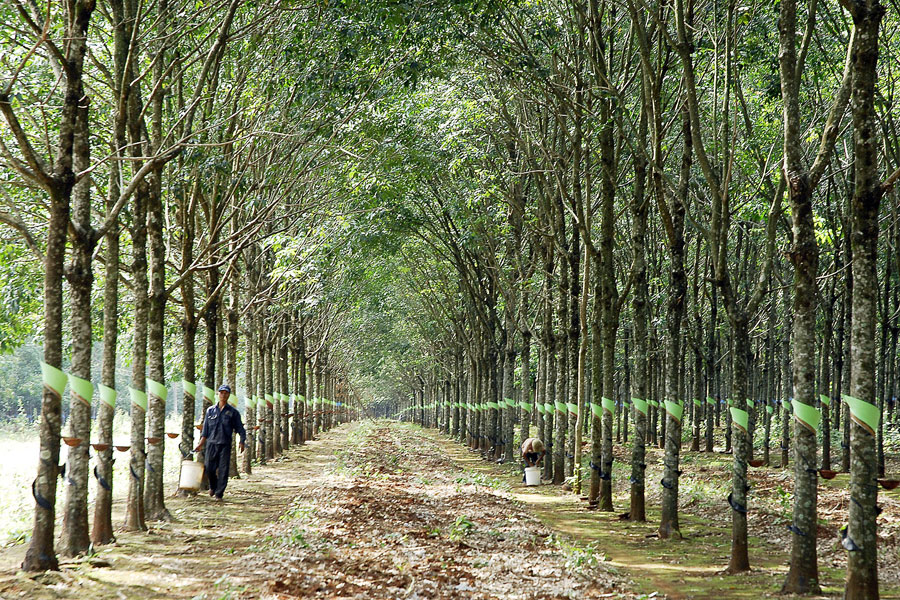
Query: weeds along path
[{"x": 371, "y": 510}]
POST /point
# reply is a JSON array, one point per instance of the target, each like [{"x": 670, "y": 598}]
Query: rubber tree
[
  {"x": 803, "y": 575},
  {"x": 57, "y": 179},
  {"x": 861, "y": 534}
]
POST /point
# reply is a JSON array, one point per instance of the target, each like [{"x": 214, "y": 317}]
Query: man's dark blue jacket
[{"x": 220, "y": 424}]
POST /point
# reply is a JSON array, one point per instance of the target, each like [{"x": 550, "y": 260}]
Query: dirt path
[{"x": 371, "y": 510}]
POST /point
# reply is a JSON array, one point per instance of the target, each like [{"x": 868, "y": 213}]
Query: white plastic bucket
[
  {"x": 532, "y": 476},
  {"x": 191, "y": 474}
]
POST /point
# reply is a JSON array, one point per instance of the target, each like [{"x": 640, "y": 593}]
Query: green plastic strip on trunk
[
  {"x": 107, "y": 396},
  {"x": 560, "y": 407},
  {"x": 807, "y": 415},
  {"x": 82, "y": 388},
  {"x": 189, "y": 388},
  {"x": 573, "y": 408},
  {"x": 640, "y": 405},
  {"x": 540, "y": 407},
  {"x": 232, "y": 400},
  {"x": 674, "y": 410},
  {"x": 741, "y": 418},
  {"x": 269, "y": 399},
  {"x": 653, "y": 403},
  {"x": 493, "y": 405},
  {"x": 526, "y": 406},
  {"x": 608, "y": 405},
  {"x": 728, "y": 402},
  {"x": 301, "y": 398},
  {"x": 248, "y": 402},
  {"x": 825, "y": 400},
  {"x": 710, "y": 400},
  {"x": 209, "y": 394},
  {"x": 597, "y": 409},
  {"x": 770, "y": 409},
  {"x": 548, "y": 408},
  {"x": 138, "y": 398},
  {"x": 864, "y": 413},
  {"x": 157, "y": 389},
  {"x": 53, "y": 378},
  {"x": 698, "y": 401}
]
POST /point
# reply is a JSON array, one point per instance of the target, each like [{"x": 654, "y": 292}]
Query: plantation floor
[
  {"x": 380, "y": 509},
  {"x": 370, "y": 510},
  {"x": 693, "y": 567}
]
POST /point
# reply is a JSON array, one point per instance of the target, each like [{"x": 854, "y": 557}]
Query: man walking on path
[{"x": 221, "y": 421}]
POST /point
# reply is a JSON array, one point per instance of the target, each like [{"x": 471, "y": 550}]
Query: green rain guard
[
  {"x": 640, "y": 405},
  {"x": 674, "y": 410},
  {"x": 54, "y": 379},
  {"x": 825, "y": 400},
  {"x": 107, "y": 396},
  {"x": 806, "y": 415},
  {"x": 209, "y": 394},
  {"x": 865, "y": 414},
  {"x": 138, "y": 398},
  {"x": 189, "y": 388},
  {"x": 741, "y": 418},
  {"x": 597, "y": 409},
  {"x": 157, "y": 389},
  {"x": 82, "y": 388},
  {"x": 573, "y": 408},
  {"x": 608, "y": 405},
  {"x": 561, "y": 407}
]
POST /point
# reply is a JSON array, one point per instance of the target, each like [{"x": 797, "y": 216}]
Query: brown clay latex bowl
[
  {"x": 123, "y": 448},
  {"x": 757, "y": 462},
  {"x": 72, "y": 441},
  {"x": 889, "y": 484},
  {"x": 827, "y": 474},
  {"x": 100, "y": 447},
  {"x": 172, "y": 436},
  {"x": 153, "y": 440}
]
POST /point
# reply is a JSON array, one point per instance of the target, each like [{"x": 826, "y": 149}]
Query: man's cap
[{"x": 225, "y": 388}]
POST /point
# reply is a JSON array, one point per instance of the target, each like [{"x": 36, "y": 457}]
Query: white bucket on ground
[
  {"x": 532, "y": 476},
  {"x": 191, "y": 474}
]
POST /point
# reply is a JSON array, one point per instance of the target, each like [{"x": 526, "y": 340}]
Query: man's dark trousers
[{"x": 218, "y": 460}]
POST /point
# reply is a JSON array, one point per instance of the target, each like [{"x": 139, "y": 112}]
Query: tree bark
[{"x": 862, "y": 563}]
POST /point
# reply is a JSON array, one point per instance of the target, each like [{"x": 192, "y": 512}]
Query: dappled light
[{"x": 449, "y": 299}]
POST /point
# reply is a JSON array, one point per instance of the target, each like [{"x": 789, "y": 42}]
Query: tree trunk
[
  {"x": 740, "y": 559},
  {"x": 75, "y": 539},
  {"x": 154, "y": 503},
  {"x": 102, "y": 531},
  {"x": 134, "y": 511},
  {"x": 41, "y": 554},
  {"x": 862, "y": 534}
]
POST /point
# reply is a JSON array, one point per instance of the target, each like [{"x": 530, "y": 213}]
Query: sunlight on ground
[{"x": 18, "y": 466}]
